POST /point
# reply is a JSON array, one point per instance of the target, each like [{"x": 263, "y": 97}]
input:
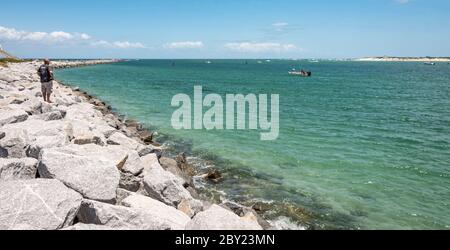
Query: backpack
[{"x": 44, "y": 73}]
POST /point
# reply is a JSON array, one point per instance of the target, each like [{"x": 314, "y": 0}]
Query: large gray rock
[
  {"x": 218, "y": 218},
  {"x": 8, "y": 115},
  {"x": 119, "y": 217},
  {"x": 163, "y": 185},
  {"x": 125, "y": 141},
  {"x": 83, "y": 132},
  {"x": 32, "y": 106},
  {"x": 54, "y": 115},
  {"x": 158, "y": 210},
  {"x": 14, "y": 144},
  {"x": 18, "y": 169},
  {"x": 33, "y": 135},
  {"x": 82, "y": 168},
  {"x": 37, "y": 204},
  {"x": 168, "y": 188},
  {"x": 134, "y": 164}
]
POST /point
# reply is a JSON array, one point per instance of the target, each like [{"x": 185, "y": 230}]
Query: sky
[{"x": 225, "y": 28}]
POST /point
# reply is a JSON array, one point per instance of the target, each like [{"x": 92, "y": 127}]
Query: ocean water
[{"x": 362, "y": 145}]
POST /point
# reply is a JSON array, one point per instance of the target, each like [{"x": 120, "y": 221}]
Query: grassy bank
[{"x": 4, "y": 61}]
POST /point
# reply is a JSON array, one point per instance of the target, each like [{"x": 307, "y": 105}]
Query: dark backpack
[{"x": 44, "y": 73}]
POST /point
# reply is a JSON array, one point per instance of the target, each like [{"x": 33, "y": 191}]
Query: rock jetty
[{"x": 74, "y": 165}]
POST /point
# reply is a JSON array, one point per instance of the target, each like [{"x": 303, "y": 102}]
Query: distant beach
[{"x": 404, "y": 59}]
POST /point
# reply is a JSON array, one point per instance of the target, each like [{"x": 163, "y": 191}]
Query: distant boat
[
  {"x": 430, "y": 63},
  {"x": 268, "y": 60},
  {"x": 300, "y": 73},
  {"x": 208, "y": 62},
  {"x": 259, "y": 62},
  {"x": 314, "y": 61}
]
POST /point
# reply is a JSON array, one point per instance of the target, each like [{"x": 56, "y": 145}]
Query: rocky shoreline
[{"x": 76, "y": 165}]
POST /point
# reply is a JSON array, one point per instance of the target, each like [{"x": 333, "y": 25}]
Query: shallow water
[{"x": 361, "y": 145}]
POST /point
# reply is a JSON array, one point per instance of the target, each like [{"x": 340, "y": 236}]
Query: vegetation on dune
[{"x": 4, "y": 61}]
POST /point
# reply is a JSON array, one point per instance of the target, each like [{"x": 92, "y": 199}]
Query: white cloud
[
  {"x": 61, "y": 36},
  {"x": 402, "y": 1},
  {"x": 184, "y": 45},
  {"x": 34, "y": 36},
  {"x": 85, "y": 36},
  {"x": 260, "y": 47},
  {"x": 118, "y": 45}
]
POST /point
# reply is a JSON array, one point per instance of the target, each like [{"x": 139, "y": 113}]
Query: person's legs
[
  {"x": 48, "y": 97},
  {"x": 44, "y": 92},
  {"x": 47, "y": 88}
]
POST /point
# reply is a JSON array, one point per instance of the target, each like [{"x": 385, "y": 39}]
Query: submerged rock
[{"x": 37, "y": 204}]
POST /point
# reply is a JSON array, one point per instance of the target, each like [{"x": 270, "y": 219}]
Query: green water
[{"x": 361, "y": 145}]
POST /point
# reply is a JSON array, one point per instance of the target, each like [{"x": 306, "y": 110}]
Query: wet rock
[
  {"x": 150, "y": 149},
  {"x": 37, "y": 204},
  {"x": 213, "y": 175},
  {"x": 184, "y": 165},
  {"x": 172, "y": 166},
  {"x": 246, "y": 212},
  {"x": 218, "y": 218},
  {"x": 18, "y": 169}
]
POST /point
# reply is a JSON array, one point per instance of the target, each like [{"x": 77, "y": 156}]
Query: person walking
[{"x": 45, "y": 72}]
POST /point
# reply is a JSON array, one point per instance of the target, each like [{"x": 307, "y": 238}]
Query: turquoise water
[{"x": 361, "y": 145}]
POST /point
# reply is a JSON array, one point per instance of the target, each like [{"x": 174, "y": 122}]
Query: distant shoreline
[{"x": 404, "y": 59}]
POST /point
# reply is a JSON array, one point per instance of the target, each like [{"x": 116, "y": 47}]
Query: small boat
[
  {"x": 208, "y": 62},
  {"x": 259, "y": 62},
  {"x": 299, "y": 73},
  {"x": 430, "y": 63}
]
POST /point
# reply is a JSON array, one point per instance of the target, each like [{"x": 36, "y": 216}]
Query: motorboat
[{"x": 300, "y": 73}]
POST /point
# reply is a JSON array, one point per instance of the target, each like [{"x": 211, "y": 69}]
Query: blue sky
[{"x": 225, "y": 28}]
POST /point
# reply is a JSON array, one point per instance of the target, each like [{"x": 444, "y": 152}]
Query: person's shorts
[{"x": 47, "y": 87}]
